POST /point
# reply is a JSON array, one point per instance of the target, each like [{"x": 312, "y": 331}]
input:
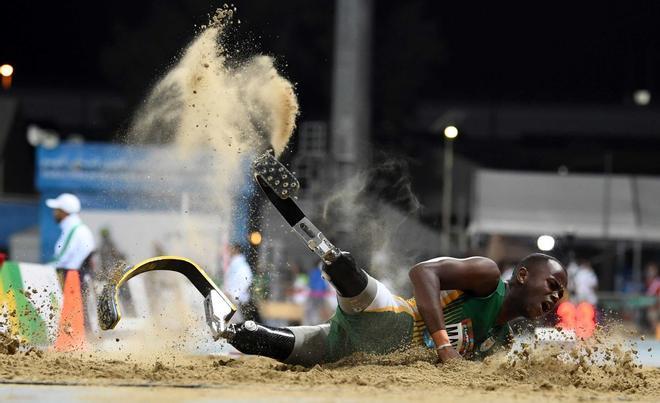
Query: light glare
[
  {"x": 6, "y": 70},
  {"x": 255, "y": 238},
  {"x": 545, "y": 243},
  {"x": 451, "y": 132},
  {"x": 642, "y": 97}
]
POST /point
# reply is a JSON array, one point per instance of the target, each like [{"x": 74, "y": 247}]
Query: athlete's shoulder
[
  {"x": 484, "y": 260},
  {"x": 485, "y": 264},
  {"x": 488, "y": 272}
]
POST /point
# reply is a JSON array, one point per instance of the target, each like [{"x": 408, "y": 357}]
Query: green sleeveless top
[{"x": 469, "y": 321}]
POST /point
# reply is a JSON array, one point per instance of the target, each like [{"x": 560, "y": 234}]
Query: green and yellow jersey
[{"x": 391, "y": 323}]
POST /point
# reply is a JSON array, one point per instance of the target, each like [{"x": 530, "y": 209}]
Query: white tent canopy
[{"x": 514, "y": 203}]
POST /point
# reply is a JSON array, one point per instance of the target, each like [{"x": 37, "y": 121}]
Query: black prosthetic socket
[
  {"x": 345, "y": 276},
  {"x": 255, "y": 339}
]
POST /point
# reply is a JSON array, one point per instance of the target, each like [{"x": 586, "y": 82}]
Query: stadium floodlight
[
  {"x": 545, "y": 243},
  {"x": 642, "y": 97},
  {"x": 6, "y": 70},
  {"x": 451, "y": 132}
]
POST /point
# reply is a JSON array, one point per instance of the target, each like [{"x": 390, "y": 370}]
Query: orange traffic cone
[{"x": 71, "y": 332}]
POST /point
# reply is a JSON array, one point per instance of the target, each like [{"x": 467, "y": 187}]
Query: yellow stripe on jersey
[
  {"x": 447, "y": 297},
  {"x": 409, "y": 307},
  {"x": 400, "y": 306}
]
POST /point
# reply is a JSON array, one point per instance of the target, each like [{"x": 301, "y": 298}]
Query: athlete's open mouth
[{"x": 546, "y": 306}]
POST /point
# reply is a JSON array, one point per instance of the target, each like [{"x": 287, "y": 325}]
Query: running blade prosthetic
[
  {"x": 217, "y": 307},
  {"x": 281, "y": 186}
]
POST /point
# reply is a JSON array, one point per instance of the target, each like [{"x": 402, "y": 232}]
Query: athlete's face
[{"x": 542, "y": 288}]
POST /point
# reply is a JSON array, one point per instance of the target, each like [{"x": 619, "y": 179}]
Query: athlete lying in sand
[{"x": 460, "y": 307}]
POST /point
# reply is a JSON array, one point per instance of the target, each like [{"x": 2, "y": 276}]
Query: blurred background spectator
[
  {"x": 298, "y": 291},
  {"x": 75, "y": 247},
  {"x": 238, "y": 283},
  {"x": 320, "y": 304},
  {"x": 586, "y": 283},
  {"x": 652, "y": 281}
]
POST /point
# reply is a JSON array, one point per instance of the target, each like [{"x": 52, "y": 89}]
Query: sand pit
[{"x": 526, "y": 376}]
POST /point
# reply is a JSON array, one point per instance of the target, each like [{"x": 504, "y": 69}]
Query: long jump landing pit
[{"x": 406, "y": 376}]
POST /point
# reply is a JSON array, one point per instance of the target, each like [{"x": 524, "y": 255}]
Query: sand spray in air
[
  {"x": 210, "y": 104},
  {"x": 375, "y": 225},
  {"x": 214, "y": 114}
]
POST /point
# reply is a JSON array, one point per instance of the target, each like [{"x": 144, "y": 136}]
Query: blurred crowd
[{"x": 309, "y": 290}]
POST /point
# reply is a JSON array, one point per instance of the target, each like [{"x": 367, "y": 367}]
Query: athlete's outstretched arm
[{"x": 476, "y": 275}]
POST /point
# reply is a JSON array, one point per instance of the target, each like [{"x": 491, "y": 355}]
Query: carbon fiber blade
[{"x": 287, "y": 207}]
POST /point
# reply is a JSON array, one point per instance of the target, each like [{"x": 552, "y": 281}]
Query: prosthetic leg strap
[
  {"x": 255, "y": 339},
  {"x": 360, "y": 302},
  {"x": 310, "y": 346},
  {"x": 343, "y": 273}
]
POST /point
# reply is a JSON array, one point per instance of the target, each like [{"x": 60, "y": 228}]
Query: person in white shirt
[
  {"x": 75, "y": 246},
  {"x": 572, "y": 269},
  {"x": 238, "y": 280},
  {"x": 586, "y": 284}
]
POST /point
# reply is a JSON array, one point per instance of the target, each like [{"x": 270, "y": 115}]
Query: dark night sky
[
  {"x": 562, "y": 52},
  {"x": 59, "y": 43},
  {"x": 547, "y": 53},
  {"x": 558, "y": 52},
  {"x": 483, "y": 52}
]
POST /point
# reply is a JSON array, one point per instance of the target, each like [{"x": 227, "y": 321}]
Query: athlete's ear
[{"x": 522, "y": 275}]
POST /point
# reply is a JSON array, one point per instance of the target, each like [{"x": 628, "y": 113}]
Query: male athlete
[{"x": 460, "y": 308}]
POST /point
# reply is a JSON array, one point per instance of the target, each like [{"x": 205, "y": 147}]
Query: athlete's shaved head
[
  {"x": 535, "y": 261},
  {"x": 538, "y": 283}
]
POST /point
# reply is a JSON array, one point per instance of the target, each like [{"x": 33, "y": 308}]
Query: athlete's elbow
[{"x": 419, "y": 272}]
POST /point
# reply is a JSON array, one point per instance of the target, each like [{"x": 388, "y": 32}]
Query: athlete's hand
[{"x": 448, "y": 353}]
